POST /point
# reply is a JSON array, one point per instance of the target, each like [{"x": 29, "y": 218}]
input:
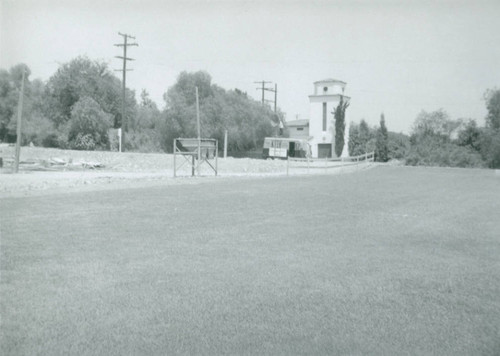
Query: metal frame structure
[{"x": 195, "y": 152}]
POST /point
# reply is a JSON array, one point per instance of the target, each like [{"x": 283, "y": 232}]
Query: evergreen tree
[
  {"x": 339, "y": 115},
  {"x": 382, "y": 142}
]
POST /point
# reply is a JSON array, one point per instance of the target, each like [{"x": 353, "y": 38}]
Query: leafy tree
[
  {"x": 382, "y": 142},
  {"x": 8, "y": 104},
  {"x": 89, "y": 124},
  {"x": 246, "y": 120},
  {"x": 492, "y": 97},
  {"x": 470, "y": 136},
  {"x": 490, "y": 148},
  {"x": 361, "y": 139},
  {"x": 10, "y": 84},
  {"x": 432, "y": 143},
  {"x": 432, "y": 152},
  {"x": 399, "y": 145},
  {"x": 146, "y": 100},
  {"x": 144, "y": 133},
  {"x": 82, "y": 77},
  {"x": 339, "y": 116},
  {"x": 436, "y": 124},
  {"x": 490, "y": 139}
]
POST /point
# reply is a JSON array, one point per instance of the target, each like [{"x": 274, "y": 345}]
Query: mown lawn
[{"x": 389, "y": 261}]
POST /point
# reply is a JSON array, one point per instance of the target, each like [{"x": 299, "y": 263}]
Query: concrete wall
[{"x": 296, "y": 133}]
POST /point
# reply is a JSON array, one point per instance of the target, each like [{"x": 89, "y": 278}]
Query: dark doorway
[
  {"x": 291, "y": 150},
  {"x": 324, "y": 150}
]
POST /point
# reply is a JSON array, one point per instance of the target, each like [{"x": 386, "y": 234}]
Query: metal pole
[
  {"x": 275, "y": 96},
  {"x": 19, "y": 124},
  {"x": 225, "y": 144},
  {"x": 199, "y": 131},
  {"x": 119, "y": 139},
  {"x": 216, "y": 155},
  {"x": 263, "y": 93},
  {"x": 123, "y": 124},
  {"x": 174, "y": 158}
]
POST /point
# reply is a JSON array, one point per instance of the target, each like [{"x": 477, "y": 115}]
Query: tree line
[
  {"x": 76, "y": 107},
  {"x": 435, "y": 139}
]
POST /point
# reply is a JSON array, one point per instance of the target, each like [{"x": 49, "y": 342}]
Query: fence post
[
  {"x": 308, "y": 165},
  {"x": 325, "y": 163},
  {"x": 216, "y": 156},
  {"x": 174, "y": 159},
  {"x": 287, "y": 165}
]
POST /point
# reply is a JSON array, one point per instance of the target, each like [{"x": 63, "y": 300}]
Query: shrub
[
  {"x": 83, "y": 142},
  {"x": 89, "y": 124}
]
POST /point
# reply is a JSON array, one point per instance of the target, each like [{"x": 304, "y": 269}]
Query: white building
[
  {"x": 322, "y": 105},
  {"x": 321, "y": 124}
]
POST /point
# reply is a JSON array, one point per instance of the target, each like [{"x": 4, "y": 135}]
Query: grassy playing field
[{"x": 389, "y": 261}]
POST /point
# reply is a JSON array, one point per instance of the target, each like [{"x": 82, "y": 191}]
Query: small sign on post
[
  {"x": 196, "y": 152},
  {"x": 119, "y": 139}
]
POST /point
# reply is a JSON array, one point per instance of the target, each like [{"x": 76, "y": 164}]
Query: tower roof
[{"x": 329, "y": 80}]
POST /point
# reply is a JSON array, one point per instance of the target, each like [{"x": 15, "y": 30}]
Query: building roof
[
  {"x": 329, "y": 80},
  {"x": 295, "y": 123}
]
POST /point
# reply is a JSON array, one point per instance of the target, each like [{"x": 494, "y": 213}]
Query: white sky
[{"x": 397, "y": 57}]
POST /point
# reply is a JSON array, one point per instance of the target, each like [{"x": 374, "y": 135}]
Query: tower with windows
[{"x": 323, "y": 102}]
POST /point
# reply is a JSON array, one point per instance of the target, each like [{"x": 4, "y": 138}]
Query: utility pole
[
  {"x": 125, "y": 44},
  {"x": 225, "y": 144},
  {"x": 19, "y": 123},
  {"x": 275, "y": 90},
  {"x": 275, "y": 101},
  {"x": 199, "y": 129},
  {"x": 263, "y": 88}
]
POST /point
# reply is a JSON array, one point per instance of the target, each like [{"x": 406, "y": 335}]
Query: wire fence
[{"x": 323, "y": 165}]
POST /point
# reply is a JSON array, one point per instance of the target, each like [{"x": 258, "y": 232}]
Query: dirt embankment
[{"x": 45, "y": 169}]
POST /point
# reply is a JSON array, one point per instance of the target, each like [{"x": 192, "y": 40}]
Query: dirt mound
[{"x": 43, "y": 169}]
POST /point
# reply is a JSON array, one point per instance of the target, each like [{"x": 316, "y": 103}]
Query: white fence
[{"x": 323, "y": 165}]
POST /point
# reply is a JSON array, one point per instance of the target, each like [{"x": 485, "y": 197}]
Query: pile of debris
[{"x": 51, "y": 164}]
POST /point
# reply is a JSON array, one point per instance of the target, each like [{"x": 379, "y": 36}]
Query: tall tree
[
  {"x": 339, "y": 115},
  {"x": 361, "y": 139},
  {"x": 432, "y": 143},
  {"x": 245, "y": 119},
  {"x": 382, "y": 142},
  {"x": 10, "y": 84},
  {"x": 82, "y": 77},
  {"x": 492, "y": 97},
  {"x": 490, "y": 143},
  {"x": 470, "y": 136},
  {"x": 436, "y": 124}
]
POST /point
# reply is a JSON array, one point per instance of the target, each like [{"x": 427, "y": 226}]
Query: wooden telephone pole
[
  {"x": 263, "y": 88},
  {"x": 275, "y": 91},
  {"x": 19, "y": 124},
  {"x": 125, "y": 44}
]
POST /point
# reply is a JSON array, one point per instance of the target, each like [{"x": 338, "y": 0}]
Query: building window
[
  {"x": 300, "y": 129},
  {"x": 324, "y": 116}
]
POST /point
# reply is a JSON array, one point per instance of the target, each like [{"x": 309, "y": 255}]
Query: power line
[
  {"x": 263, "y": 88},
  {"x": 275, "y": 91},
  {"x": 124, "y": 70},
  {"x": 275, "y": 102}
]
